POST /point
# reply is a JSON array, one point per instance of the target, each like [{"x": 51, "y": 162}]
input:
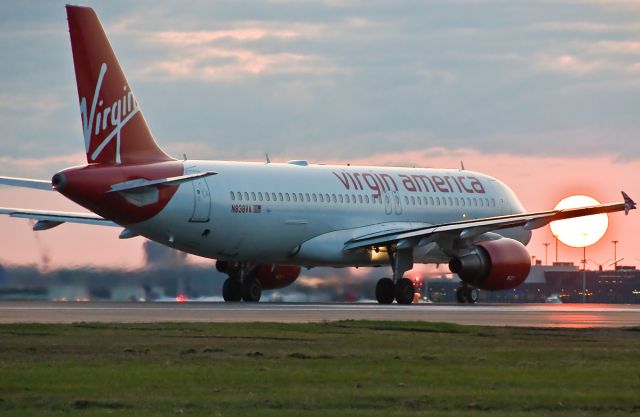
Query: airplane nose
[{"x": 58, "y": 181}]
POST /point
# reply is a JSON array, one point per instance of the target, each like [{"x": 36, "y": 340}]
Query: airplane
[{"x": 262, "y": 222}]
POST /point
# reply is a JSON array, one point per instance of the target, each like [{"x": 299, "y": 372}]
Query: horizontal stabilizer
[
  {"x": 141, "y": 183},
  {"x": 46, "y": 218},
  {"x": 26, "y": 183}
]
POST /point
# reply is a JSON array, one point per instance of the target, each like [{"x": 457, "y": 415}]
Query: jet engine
[
  {"x": 493, "y": 265},
  {"x": 272, "y": 277}
]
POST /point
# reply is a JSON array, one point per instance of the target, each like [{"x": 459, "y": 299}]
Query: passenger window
[
  {"x": 413, "y": 201},
  {"x": 274, "y": 197},
  {"x": 259, "y": 196},
  {"x": 308, "y": 198},
  {"x": 287, "y": 196},
  {"x": 340, "y": 195},
  {"x": 481, "y": 202},
  {"x": 487, "y": 201},
  {"x": 475, "y": 202},
  {"x": 457, "y": 202},
  {"x": 295, "y": 199},
  {"x": 266, "y": 196},
  {"x": 321, "y": 198},
  {"x": 406, "y": 200},
  {"x": 366, "y": 199},
  {"x": 333, "y": 197},
  {"x": 327, "y": 198},
  {"x": 239, "y": 196},
  {"x": 360, "y": 198},
  {"x": 438, "y": 201},
  {"x": 431, "y": 201},
  {"x": 462, "y": 201},
  {"x": 280, "y": 197},
  {"x": 246, "y": 196},
  {"x": 469, "y": 201},
  {"x": 450, "y": 202},
  {"x": 493, "y": 202},
  {"x": 253, "y": 196},
  {"x": 444, "y": 201},
  {"x": 315, "y": 197},
  {"x": 233, "y": 196}
]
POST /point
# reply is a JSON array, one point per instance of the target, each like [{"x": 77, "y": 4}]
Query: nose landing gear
[{"x": 399, "y": 288}]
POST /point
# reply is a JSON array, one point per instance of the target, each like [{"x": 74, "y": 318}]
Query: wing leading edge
[{"x": 469, "y": 228}]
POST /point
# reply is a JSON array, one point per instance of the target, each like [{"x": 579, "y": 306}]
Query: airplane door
[
  {"x": 501, "y": 204},
  {"x": 201, "y": 200},
  {"x": 388, "y": 208},
  {"x": 397, "y": 203}
]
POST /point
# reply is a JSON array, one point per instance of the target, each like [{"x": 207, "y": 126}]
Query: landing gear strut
[
  {"x": 398, "y": 288},
  {"x": 467, "y": 294},
  {"x": 241, "y": 284}
]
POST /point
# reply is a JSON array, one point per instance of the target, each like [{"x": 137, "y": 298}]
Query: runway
[{"x": 513, "y": 315}]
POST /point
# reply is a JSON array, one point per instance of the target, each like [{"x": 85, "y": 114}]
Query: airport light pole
[
  {"x": 615, "y": 257},
  {"x": 546, "y": 246},
  {"x": 584, "y": 274}
]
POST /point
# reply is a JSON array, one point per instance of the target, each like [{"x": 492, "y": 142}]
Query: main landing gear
[
  {"x": 467, "y": 294},
  {"x": 241, "y": 284},
  {"x": 398, "y": 288}
]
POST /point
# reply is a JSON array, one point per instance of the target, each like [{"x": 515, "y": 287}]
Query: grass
[{"x": 352, "y": 368}]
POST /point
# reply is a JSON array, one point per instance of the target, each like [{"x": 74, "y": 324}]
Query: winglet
[{"x": 629, "y": 204}]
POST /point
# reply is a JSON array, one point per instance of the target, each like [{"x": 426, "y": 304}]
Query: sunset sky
[{"x": 544, "y": 95}]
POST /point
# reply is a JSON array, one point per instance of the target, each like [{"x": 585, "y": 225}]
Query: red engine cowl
[
  {"x": 493, "y": 265},
  {"x": 272, "y": 277}
]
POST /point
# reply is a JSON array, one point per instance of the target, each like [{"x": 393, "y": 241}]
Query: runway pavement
[{"x": 518, "y": 315}]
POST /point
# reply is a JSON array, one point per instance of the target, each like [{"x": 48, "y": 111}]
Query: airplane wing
[
  {"x": 26, "y": 183},
  {"x": 47, "y": 219},
  {"x": 470, "y": 228}
]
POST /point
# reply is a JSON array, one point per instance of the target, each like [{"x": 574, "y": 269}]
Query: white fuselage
[{"x": 303, "y": 214}]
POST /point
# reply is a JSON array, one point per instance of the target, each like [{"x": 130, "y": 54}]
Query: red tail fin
[{"x": 114, "y": 128}]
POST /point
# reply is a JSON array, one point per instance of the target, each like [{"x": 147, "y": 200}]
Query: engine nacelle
[
  {"x": 493, "y": 264},
  {"x": 276, "y": 276}
]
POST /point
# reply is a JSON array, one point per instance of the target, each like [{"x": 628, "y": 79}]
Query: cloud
[
  {"x": 343, "y": 79},
  {"x": 570, "y": 64},
  {"x": 217, "y": 64}
]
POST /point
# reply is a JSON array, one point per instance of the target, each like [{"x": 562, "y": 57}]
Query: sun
[{"x": 580, "y": 231}]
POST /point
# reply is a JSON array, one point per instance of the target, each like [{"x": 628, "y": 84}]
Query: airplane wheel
[
  {"x": 231, "y": 290},
  {"x": 404, "y": 291},
  {"x": 252, "y": 291},
  {"x": 461, "y": 295},
  {"x": 385, "y": 291},
  {"x": 472, "y": 295},
  {"x": 222, "y": 266}
]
